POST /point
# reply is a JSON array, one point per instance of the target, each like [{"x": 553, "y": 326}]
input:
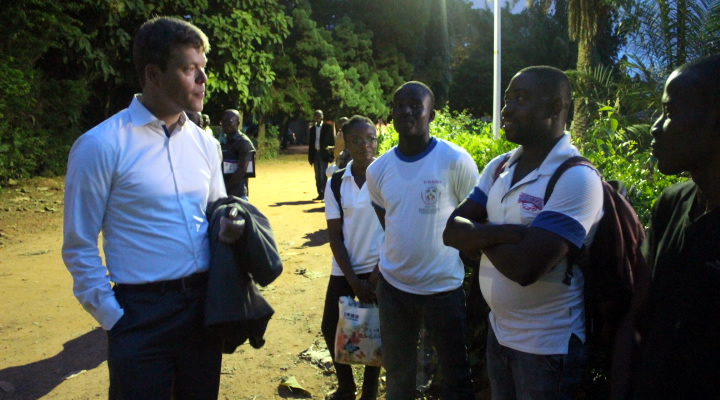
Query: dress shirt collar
[
  {"x": 562, "y": 150},
  {"x": 141, "y": 116}
]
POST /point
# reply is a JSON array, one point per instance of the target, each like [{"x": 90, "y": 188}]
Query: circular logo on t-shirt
[{"x": 430, "y": 195}]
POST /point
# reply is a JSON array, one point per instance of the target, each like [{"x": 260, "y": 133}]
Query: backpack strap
[
  {"x": 335, "y": 182},
  {"x": 500, "y": 167},
  {"x": 569, "y": 163},
  {"x": 574, "y": 255}
]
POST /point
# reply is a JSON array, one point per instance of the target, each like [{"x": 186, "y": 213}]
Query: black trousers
[
  {"x": 160, "y": 349},
  {"x": 338, "y": 287}
]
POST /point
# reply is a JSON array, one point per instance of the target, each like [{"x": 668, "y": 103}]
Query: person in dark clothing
[
  {"x": 319, "y": 154},
  {"x": 237, "y": 154},
  {"x": 670, "y": 345}
]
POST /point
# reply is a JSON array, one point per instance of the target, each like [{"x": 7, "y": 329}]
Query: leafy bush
[
  {"x": 473, "y": 135},
  {"x": 269, "y": 145},
  {"x": 39, "y": 120}
]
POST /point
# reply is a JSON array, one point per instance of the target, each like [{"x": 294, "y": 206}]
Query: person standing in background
[
  {"x": 238, "y": 152},
  {"x": 319, "y": 155},
  {"x": 340, "y": 152}
]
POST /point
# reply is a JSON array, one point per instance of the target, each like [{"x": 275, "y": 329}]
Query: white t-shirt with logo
[
  {"x": 362, "y": 232},
  {"x": 541, "y": 317},
  {"x": 418, "y": 194}
]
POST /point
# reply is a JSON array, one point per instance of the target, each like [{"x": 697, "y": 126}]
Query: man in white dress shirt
[{"x": 144, "y": 178}]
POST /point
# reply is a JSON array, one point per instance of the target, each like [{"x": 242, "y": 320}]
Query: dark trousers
[
  {"x": 160, "y": 350},
  {"x": 338, "y": 287},
  {"x": 320, "y": 177},
  {"x": 402, "y": 315}
]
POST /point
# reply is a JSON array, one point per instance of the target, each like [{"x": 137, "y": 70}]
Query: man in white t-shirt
[
  {"x": 535, "y": 349},
  {"x": 414, "y": 187}
]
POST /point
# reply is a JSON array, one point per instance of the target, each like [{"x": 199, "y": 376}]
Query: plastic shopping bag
[{"x": 357, "y": 339}]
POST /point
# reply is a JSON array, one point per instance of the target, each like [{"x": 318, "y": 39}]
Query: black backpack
[{"x": 335, "y": 182}]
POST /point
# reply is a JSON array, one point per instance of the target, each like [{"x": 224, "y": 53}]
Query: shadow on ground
[
  {"x": 317, "y": 238},
  {"x": 316, "y": 209},
  {"x": 35, "y": 380},
  {"x": 292, "y": 203}
]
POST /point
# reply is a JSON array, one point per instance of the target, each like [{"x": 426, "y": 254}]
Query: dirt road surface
[{"x": 50, "y": 348}]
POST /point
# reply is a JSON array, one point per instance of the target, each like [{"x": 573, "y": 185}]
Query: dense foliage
[{"x": 67, "y": 65}]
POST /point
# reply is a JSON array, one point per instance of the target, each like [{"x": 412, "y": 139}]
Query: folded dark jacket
[{"x": 234, "y": 307}]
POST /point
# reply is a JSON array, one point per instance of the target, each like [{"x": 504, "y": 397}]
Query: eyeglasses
[{"x": 360, "y": 142}]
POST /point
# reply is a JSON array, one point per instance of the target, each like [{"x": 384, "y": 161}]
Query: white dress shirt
[
  {"x": 147, "y": 192},
  {"x": 317, "y": 136}
]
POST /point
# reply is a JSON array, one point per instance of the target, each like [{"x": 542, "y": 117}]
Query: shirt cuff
[{"x": 108, "y": 312}]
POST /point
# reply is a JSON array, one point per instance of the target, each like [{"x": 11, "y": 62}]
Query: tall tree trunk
[{"x": 581, "y": 117}]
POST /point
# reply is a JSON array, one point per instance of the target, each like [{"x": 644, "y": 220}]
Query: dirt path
[{"x": 50, "y": 348}]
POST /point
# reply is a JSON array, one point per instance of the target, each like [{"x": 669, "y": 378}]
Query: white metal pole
[{"x": 496, "y": 72}]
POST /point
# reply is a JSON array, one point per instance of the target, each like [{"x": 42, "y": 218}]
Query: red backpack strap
[
  {"x": 569, "y": 163},
  {"x": 500, "y": 167}
]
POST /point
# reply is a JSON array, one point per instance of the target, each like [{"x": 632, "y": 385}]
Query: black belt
[{"x": 173, "y": 285}]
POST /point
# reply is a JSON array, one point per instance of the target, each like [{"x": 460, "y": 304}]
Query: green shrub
[
  {"x": 269, "y": 145},
  {"x": 39, "y": 120},
  {"x": 473, "y": 135}
]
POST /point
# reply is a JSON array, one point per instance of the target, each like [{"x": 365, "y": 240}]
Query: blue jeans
[
  {"x": 515, "y": 375},
  {"x": 320, "y": 177},
  {"x": 401, "y": 317}
]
